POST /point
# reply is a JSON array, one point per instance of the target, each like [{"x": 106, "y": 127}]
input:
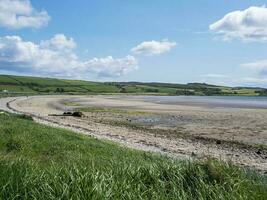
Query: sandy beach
[{"x": 227, "y": 133}]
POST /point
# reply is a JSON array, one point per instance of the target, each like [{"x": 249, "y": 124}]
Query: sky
[{"x": 218, "y": 42}]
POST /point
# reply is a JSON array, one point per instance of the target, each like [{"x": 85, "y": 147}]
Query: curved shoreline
[
  {"x": 180, "y": 148},
  {"x": 88, "y": 132}
]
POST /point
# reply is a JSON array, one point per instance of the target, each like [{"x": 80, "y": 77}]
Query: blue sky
[{"x": 136, "y": 40}]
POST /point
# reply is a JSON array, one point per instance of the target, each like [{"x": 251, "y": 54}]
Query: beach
[{"x": 175, "y": 129}]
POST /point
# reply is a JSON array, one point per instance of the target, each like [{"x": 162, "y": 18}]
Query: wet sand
[
  {"x": 243, "y": 125},
  {"x": 178, "y": 130}
]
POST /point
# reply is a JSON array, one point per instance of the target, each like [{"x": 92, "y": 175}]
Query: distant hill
[{"x": 36, "y": 85}]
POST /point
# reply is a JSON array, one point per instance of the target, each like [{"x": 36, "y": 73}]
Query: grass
[
  {"x": 41, "y": 162},
  {"x": 108, "y": 110},
  {"x": 70, "y": 103},
  {"x": 15, "y": 88},
  {"x": 38, "y": 85}
]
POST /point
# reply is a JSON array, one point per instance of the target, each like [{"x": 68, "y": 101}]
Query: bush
[
  {"x": 152, "y": 90},
  {"x": 60, "y": 90},
  {"x": 185, "y": 92},
  {"x": 262, "y": 92},
  {"x": 123, "y": 90}
]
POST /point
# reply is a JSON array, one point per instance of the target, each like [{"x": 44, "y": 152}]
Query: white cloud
[
  {"x": 112, "y": 67},
  {"x": 215, "y": 76},
  {"x": 153, "y": 47},
  {"x": 217, "y": 79},
  {"x": 56, "y": 57},
  {"x": 17, "y": 14},
  {"x": 59, "y": 42},
  {"x": 255, "y": 81},
  {"x": 249, "y": 24},
  {"x": 259, "y": 66}
]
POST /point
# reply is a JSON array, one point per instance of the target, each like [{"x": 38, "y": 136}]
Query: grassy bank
[{"x": 40, "y": 162}]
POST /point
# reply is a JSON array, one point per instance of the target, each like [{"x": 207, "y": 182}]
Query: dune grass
[{"x": 41, "y": 162}]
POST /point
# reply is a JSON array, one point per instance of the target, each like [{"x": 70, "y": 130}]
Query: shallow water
[{"x": 208, "y": 101}]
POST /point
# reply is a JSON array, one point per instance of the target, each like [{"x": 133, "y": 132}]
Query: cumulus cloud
[
  {"x": 59, "y": 42},
  {"x": 153, "y": 47},
  {"x": 248, "y": 24},
  {"x": 56, "y": 57},
  {"x": 112, "y": 67},
  {"x": 17, "y": 14}
]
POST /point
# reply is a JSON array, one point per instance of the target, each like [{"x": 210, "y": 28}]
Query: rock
[
  {"x": 193, "y": 154},
  {"x": 77, "y": 114},
  {"x": 218, "y": 142},
  {"x": 258, "y": 152},
  {"x": 67, "y": 113}
]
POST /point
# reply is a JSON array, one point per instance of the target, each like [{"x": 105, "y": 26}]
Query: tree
[{"x": 60, "y": 90}]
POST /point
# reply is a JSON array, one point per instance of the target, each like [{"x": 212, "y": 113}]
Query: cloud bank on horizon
[
  {"x": 56, "y": 57},
  {"x": 259, "y": 66}
]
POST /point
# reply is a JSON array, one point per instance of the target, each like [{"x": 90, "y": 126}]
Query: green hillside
[
  {"x": 35, "y": 85},
  {"x": 41, "y": 162}
]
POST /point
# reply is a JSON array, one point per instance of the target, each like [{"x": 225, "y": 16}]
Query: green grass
[
  {"x": 7, "y": 80},
  {"x": 39, "y": 81},
  {"x": 107, "y": 110},
  {"x": 15, "y": 88},
  {"x": 70, "y": 103},
  {"x": 38, "y": 85},
  {"x": 41, "y": 162}
]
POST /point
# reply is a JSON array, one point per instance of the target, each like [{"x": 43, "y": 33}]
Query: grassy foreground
[{"x": 41, "y": 162}]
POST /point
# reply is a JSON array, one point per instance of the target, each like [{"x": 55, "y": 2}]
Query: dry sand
[{"x": 248, "y": 126}]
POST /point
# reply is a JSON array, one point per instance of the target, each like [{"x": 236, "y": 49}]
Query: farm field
[{"x": 37, "y": 85}]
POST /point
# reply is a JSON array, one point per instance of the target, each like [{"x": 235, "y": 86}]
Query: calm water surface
[{"x": 209, "y": 101}]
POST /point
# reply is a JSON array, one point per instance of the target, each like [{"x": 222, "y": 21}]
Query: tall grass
[{"x": 40, "y": 162}]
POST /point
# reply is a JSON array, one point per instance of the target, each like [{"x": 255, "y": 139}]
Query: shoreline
[{"x": 142, "y": 139}]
